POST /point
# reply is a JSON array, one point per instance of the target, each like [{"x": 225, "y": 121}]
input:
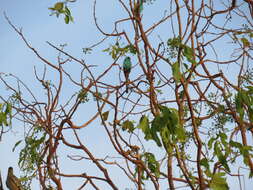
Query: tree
[{"x": 187, "y": 117}]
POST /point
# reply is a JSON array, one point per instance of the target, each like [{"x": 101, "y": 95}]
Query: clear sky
[{"x": 33, "y": 17}]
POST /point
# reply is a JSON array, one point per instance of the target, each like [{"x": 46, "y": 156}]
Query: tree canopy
[{"x": 177, "y": 114}]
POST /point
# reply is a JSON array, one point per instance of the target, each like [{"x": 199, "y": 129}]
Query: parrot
[
  {"x": 138, "y": 7},
  {"x": 127, "y": 66},
  {"x": 12, "y": 182},
  {"x": 141, "y": 6}
]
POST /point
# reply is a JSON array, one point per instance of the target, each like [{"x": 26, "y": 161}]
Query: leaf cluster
[
  {"x": 116, "y": 50},
  {"x": 61, "y": 8},
  {"x": 244, "y": 102},
  {"x": 83, "y": 96},
  {"x": 179, "y": 51},
  {"x": 165, "y": 129},
  {"x": 5, "y": 114},
  {"x": 30, "y": 156}
]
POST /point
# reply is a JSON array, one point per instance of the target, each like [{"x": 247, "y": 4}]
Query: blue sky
[{"x": 38, "y": 27}]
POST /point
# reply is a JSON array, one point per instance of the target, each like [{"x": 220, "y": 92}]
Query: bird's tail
[{"x": 127, "y": 80}]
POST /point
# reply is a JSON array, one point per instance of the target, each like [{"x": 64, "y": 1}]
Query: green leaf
[
  {"x": 223, "y": 161},
  {"x": 5, "y": 114},
  {"x": 83, "y": 96},
  {"x": 66, "y": 19},
  {"x": 245, "y": 97},
  {"x": 152, "y": 164},
  {"x": 106, "y": 50},
  {"x": 68, "y": 16},
  {"x": 143, "y": 124},
  {"x": 219, "y": 182},
  {"x": 223, "y": 138},
  {"x": 250, "y": 114},
  {"x": 8, "y": 109},
  {"x": 156, "y": 125},
  {"x": 105, "y": 115},
  {"x": 189, "y": 54},
  {"x": 132, "y": 49},
  {"x": 159, "y": 122},
  {"x": 128, "y": 126},
  {"x": 165, "y": 127},
  {"x": 58, "y": 6},
  {"x": 220, "y": 156},
  {"x": 114, "y": 54},
  {"x": 16, "y": 144},
  {"x": 67, "y": 11},
  {"x": 250, "y": 89},
  {"x": 155, "y": 136},
  {"x": 245, "y": 42},
  {"x": 239, "y": 104},
  {"x": 176, "y": 71},
  {"x": 235, "y": 144},
  {"x": 165, "y": 135},
  {"x": 173, "y": 123},
  {"x": 3, "y": 119},
  {"x": 181, "y": 134},
  {"x": 174, "y": 42},
  {"x": 51, "y": 8},
  {"x": 204, "y": 162},
  {"x": 244, "y": 150},
  {"x": 30, "y": 155},
  {"x": 250, "y": 175}
]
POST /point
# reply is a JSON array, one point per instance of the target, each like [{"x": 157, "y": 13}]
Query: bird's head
[{"x": 10, "y": 170}]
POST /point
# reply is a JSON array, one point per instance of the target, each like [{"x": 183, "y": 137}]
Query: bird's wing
[{"x": 14, "y": 183}]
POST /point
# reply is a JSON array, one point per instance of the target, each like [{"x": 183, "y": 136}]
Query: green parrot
[
  {"x": 140, "y": 7},
  {"x": 127, "y": 65},
  {"x": 12, "y": 182}
]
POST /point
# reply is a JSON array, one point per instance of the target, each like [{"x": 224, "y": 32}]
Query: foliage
[
  {"x": 61, "y": 8},
  {"x": 166, "y": 125},
  {"x": 5, "y": 114},
  {"x": 83, "y": 96},
  {"x": 175, "y": 46},
  {"x": 116, "y": 51},
  {"x": 244, "y": 102},
  {"x": 152, "y": 164}
]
